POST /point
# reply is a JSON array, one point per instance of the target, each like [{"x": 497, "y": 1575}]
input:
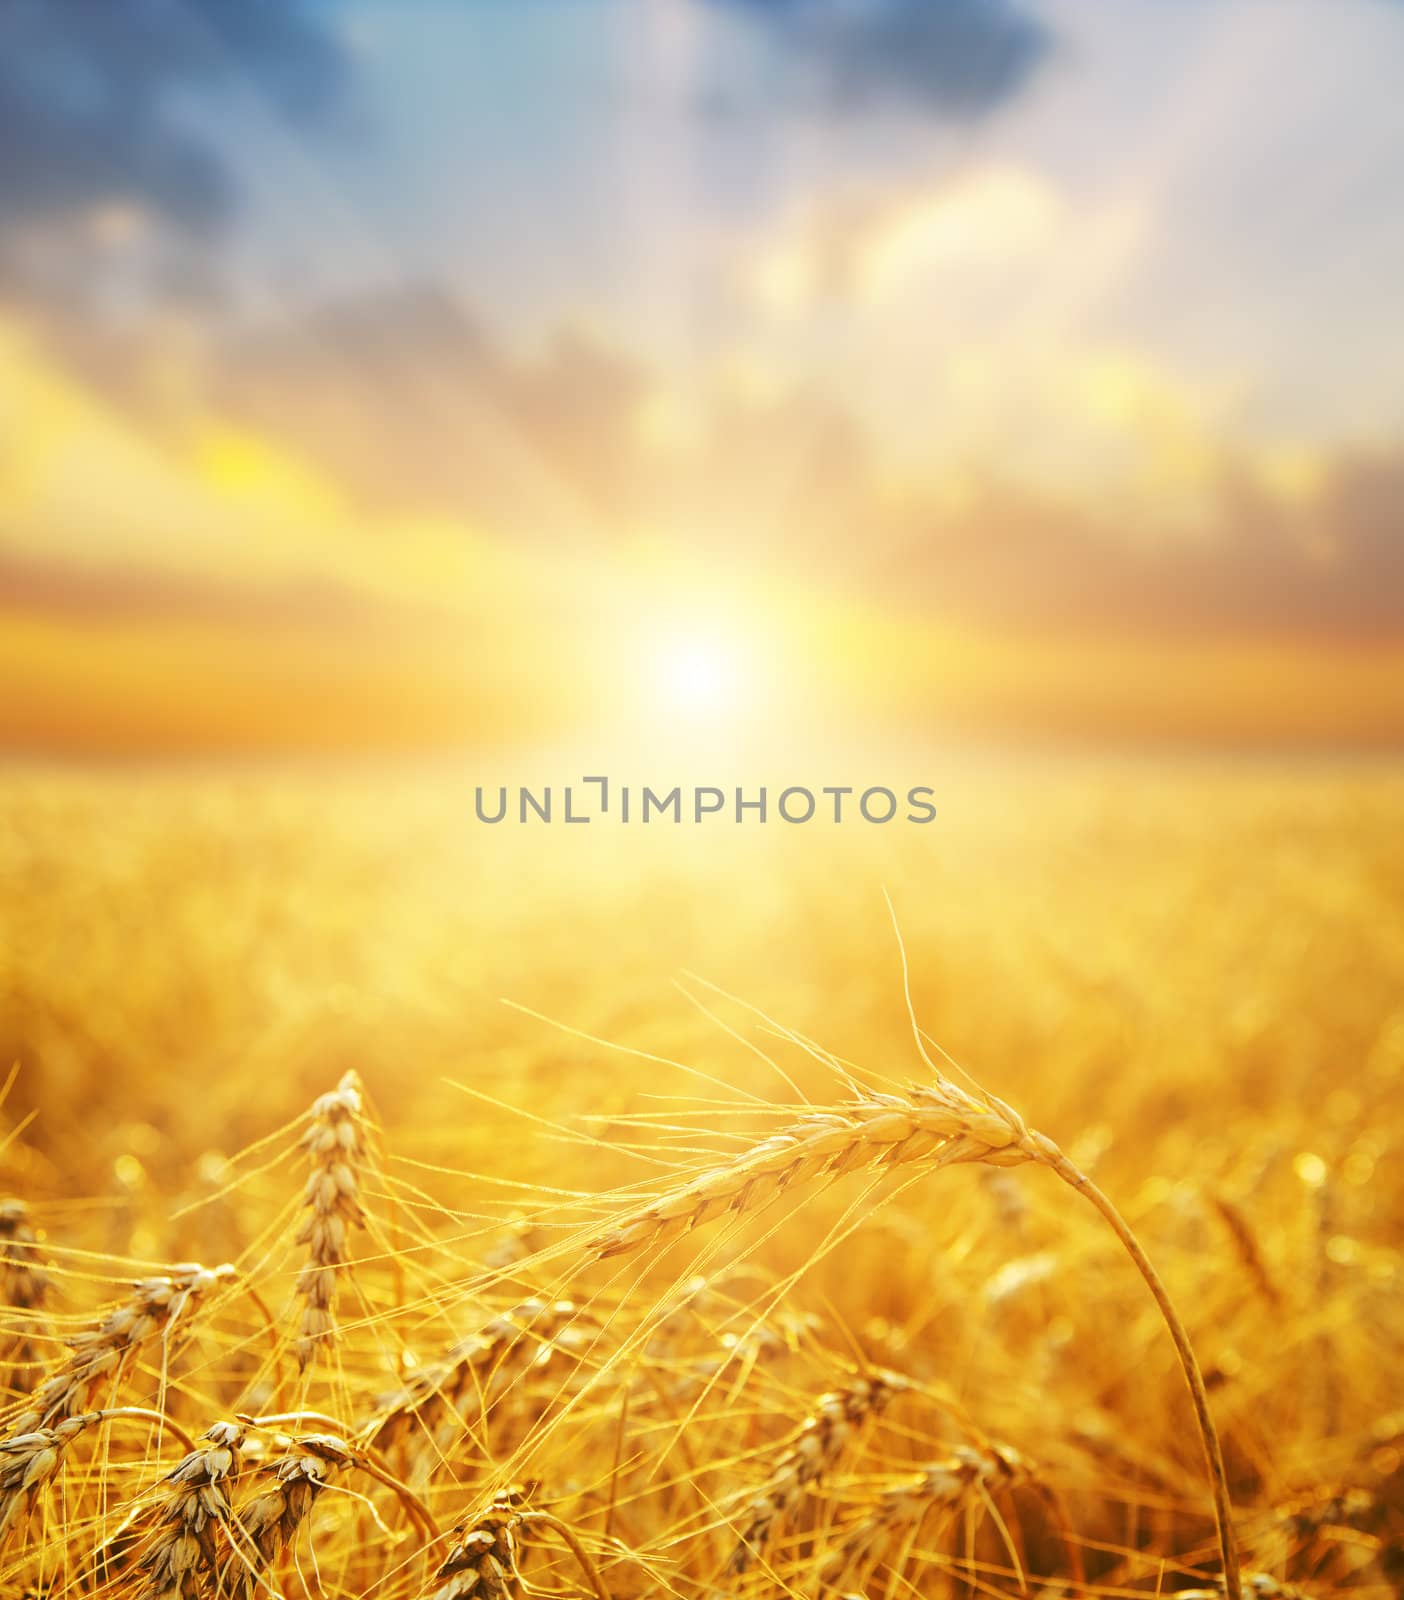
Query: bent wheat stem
[
  {"x": 932, "y": 1125},
  {"x": 1189, "y": 1363}
]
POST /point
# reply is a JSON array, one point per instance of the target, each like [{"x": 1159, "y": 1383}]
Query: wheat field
[{"x": 700, "y": 1267}]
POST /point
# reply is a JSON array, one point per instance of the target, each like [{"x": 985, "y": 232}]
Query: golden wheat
[
  {"x": 181, "y": 1561},
  {"x": 823, "y": 1438},
  {"x": 100, "y": 1354},
  {"x": 931, "y": 1126},
  {"x": 970, "y": 1473},
  {"x": 576, "y": 1315},
  {"x": 335, "y": 1142}
]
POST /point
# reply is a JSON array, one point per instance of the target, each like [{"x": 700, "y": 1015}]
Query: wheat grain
[
  {"x": 482, "y": 1563},
  {"x": 267, "y": 1522},
  {"x": 183, "y": 1556}
]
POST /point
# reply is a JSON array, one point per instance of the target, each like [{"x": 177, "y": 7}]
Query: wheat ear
[
  {"x": 824, "y": 1436},
  {"x": 482, "y": 1562},
  {"x": 184, "y": 1553},
  {"x": 268, "y": 1520},
  {"x": 23, "y": 1282},
  {"x": 30, "y": 1460},
  {"x": 951, "y": 1484},
  {"x": 439, "y": 1401},
  {"x": 336, "y": 1146},
  {"x": 99, "y": 1353}
]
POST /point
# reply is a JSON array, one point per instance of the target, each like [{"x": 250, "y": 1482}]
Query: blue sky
[{"x": 612, "y": 162}]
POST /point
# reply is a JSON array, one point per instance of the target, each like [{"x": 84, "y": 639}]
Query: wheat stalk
[{"x": 932, "y": 1125}]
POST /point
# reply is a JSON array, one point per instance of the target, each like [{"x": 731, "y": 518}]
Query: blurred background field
[
  {"x": 1157, "y": 943},
  {"x": 1169, "y": 950}
]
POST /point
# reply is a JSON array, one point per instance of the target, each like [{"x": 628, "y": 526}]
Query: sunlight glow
[{"x": 698, "y": 677}]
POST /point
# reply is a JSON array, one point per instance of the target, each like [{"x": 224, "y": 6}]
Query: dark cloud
[
  {"x": 91, "y": 100},
  {"x": 958, "y": 58},
  {"x": 403, "y": 398}
]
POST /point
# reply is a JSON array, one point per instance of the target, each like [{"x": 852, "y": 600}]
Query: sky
[{"x": 1024, "y": 365}]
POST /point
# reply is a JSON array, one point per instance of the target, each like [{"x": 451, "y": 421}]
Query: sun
[{"x": 697, "y": 677}]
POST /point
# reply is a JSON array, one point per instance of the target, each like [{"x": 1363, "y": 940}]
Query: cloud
[
  {"x": 92, "y": 96},
  {"x": 956, "y": 58},
  {"x": 865, "y": 248},
  {"x": 567, "y": 447},
  {"x": 402, "y": 397},
  {"x": 1275, "y": 560},
  {"x": 1139, "y": 512}
]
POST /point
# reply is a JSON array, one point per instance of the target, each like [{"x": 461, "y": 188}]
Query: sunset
[
  {"x": 349, "y": 337},
  {"x": 703, "y": 724}
]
